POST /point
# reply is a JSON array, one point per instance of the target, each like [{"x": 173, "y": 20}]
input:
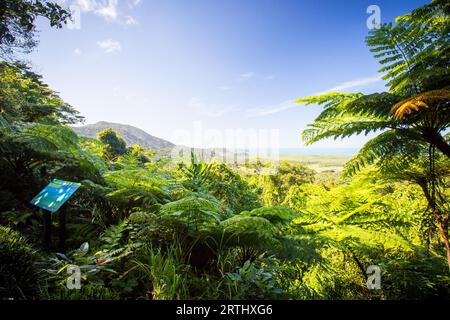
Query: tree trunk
[
  {"x": 435, "y": 139},
  {"x": 360, "y": 265},
  {"x": 442, "y": 223},
  {"x": 443, "y": 229}
]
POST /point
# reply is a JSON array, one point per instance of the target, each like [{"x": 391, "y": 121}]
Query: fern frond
[
  {"x": 342, "y": 127},
  {"x": 274, "y": 214},
  {"x": 423, "y": 100},
  {"x": 385, "y": 145}
]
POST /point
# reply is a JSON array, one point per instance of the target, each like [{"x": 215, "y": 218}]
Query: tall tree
[
  {"x": 24, "y": 97},
  {"x": 17, "y": 23},
  {"x": 414, "y": 114},
  {"x": 115, "y": 145}
]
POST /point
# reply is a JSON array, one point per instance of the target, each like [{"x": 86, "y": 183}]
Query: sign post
[
  {"x": 51, "y": 199},
  {"x": 62, "y": 231},
  {"x": 47, "y": 221}
]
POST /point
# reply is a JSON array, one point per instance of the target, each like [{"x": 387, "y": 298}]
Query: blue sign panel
[{"x": 55, "y": 194}]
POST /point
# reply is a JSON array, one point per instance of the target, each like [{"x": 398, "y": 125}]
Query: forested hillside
[
  {"x": 141, "y": 228},
  {"x": 130, "y": 134}
]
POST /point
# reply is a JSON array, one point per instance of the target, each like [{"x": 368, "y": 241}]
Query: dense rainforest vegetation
[{"x": 142, "y": 227}]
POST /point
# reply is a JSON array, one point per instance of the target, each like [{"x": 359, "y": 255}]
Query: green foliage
[
  {"x": 248, "y": 231},
  {"x": 155, "y": 229},
  {"x": 415, "y": 55},
  {"x": 231, "y": 189},
  {"x": 17, "y": 23},
  {"x": 33, "y": 154},
  {"x": 142, "y": 156},
  {"x": 276, "y": 215},
  {"x": 93, "y": 266},
  {"x": 412, "y": 116},
  {"x": 196, "y": 173},
  {"x": 194, "y": 203},
  {"x": 339, "y": 278},
  {"x": 275, "y": 187},
  {"x": 96, "y": 149},
  {"x": 403, "y": 276},
  {"x": 365, "y": 204},
  {"x": 136, "y": 188},
  {"x": 115, "y": 145},
  {"x": 86, "y": 292},
  {"x": 365, "y": 221},
  {"x": 164, "y": 271},
  {"x": 414, "y": 51},
  {"x": 252, "y": 282},
  {"x": 19, "y": 271},
  {"x": 97, "y": 269},
  {"x": 26, "y": 98}
]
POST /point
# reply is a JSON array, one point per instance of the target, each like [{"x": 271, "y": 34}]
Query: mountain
[
  {"x": 163, "y": 148},
  {"x": 130, "y": 134}
]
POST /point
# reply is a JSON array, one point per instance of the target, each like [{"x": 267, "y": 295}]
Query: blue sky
[{"x": 166, "y": 65}]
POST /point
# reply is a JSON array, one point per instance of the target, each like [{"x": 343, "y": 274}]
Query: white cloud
[
  {"x": 85, "y": 5},
  {"x": 77, "y": 51},
  {"x": 110, "y": 46},
  {"x": 269, "y": 77},
  {"x": 289, "y": 104},
  {"x": 109, "y": 11},
  {"x": 210, "y": 111},
  {"x": 246, "y": 76},
  {"x": 285, "y": 105},
  {"x": 354, "y": 83},
  {"x": 129, "y": 20},
  {"x": 104, "y": 8}
]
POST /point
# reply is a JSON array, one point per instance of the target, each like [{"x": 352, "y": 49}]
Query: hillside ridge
[{"x": 131, "y": 135}]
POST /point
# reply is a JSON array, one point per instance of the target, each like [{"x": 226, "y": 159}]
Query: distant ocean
[
  {"x": 313, "y": 151},
  {"x": 284, "y": 152},
  {"x": 318, "y": 151}
]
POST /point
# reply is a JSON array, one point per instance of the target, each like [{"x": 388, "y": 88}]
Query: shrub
[
  {"x": 88, "y": 292},
  {"x": 231, "y": 189},
  {"x": 19, "y": 275},
  {"x": 252, "y": 282},
  {"x": 164, "y": 273}
]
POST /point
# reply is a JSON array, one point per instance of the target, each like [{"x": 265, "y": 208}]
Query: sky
[{"x": 196, "y": 72}]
